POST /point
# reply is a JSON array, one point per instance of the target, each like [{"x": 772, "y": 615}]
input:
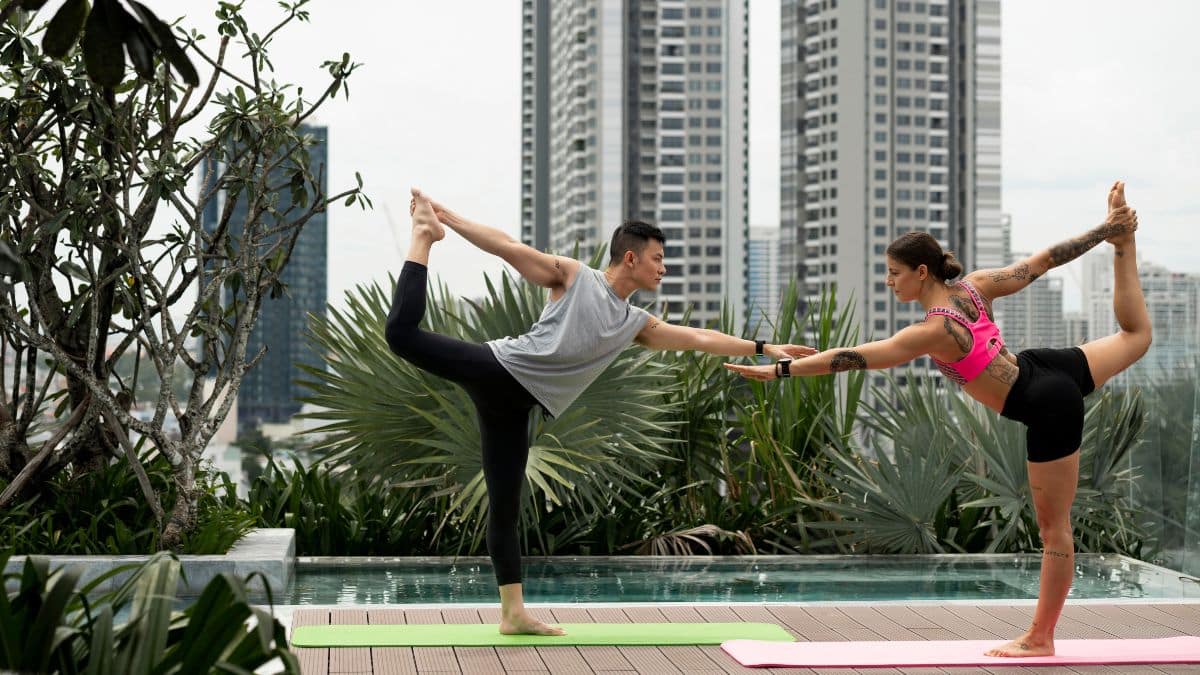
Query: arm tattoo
[
  {"x": 1056, "y": 554},
  {"x": 1002, "y": 369},
  {"x": 847, "y": 359},
  {"x": 1061, "y": 254},
  {"x": 1018, "y": 272},
  {"x": 557, "y": 264},
  {"x": 957, "y": 331}
]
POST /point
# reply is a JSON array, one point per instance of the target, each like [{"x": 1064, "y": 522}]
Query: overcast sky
[{"x": 1093, "y": 90}]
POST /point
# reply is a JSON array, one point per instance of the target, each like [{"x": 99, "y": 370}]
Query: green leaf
[
  {"x": 167, "y": 43},
  {"x": 104, "y": 43},
  {"x": 140, "y": 45},
  {"x": 63, "y": 31}
]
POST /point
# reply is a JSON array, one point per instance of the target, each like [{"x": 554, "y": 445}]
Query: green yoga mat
[{"x": 487, "y": 635}]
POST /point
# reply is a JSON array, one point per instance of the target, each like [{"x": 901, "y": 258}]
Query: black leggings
[{"x": 501, "y": 404}]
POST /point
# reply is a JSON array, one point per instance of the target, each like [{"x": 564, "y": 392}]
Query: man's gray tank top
[{"x": 574, "y": 340}]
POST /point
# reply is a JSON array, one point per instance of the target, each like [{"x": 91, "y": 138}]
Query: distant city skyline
[{"x": 438, "y": 101}]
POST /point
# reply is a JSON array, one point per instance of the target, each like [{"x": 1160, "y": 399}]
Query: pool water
[{"x": 353, "y": 581}]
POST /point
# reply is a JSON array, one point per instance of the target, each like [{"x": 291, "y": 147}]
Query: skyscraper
[
  {"x": 890, "y": 122},
  {"x": 763, "y": 279},
  {"x": 268, "y": 393},
  {"x": 638, "y": 110}
]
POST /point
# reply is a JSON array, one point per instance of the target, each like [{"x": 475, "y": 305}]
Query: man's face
[{"x": 648, "y": 268}]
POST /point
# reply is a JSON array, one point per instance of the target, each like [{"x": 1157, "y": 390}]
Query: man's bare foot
[
  {"x": 524, "y": 624},
  {"x": 425, "y": 222},
  {"x": 1024, "y": 646}
]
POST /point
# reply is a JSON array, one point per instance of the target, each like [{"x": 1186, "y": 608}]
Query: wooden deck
[{"x": 808, "y": 623}]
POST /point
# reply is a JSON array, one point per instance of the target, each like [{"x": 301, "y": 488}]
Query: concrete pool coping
[
  {"x": 1170, "y": 580},
  {"x": 270, "y": 552}
]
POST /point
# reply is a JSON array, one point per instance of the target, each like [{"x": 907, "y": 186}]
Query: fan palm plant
[
  {"x": 390, "y": 424},
  {"x": 1104, "y": 513}
]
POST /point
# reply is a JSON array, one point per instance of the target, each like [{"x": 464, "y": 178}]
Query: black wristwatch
[
  {"x": 783, "y": 368},
  {"x": 758, "y": 346}
]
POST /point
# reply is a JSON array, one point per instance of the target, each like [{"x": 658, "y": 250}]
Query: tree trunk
[{"x": 183, "y": 514}]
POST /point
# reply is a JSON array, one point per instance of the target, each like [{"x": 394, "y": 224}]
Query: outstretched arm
[
  {"x": 664, "y": 336},
  {"x": 904, "y": 346},
  {"x": 542, "y": 269},
  {"x": 996, "y": 283}
]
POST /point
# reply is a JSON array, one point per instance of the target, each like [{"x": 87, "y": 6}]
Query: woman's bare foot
[
  {"x": 1024, "y": 646},
  {"x": 524, "y": 624},
  {"x": 425, "y": 221},
  {"x": 1116, "y": 200}
]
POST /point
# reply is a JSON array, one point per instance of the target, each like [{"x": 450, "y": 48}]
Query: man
[{"x": 585, "y": 326}]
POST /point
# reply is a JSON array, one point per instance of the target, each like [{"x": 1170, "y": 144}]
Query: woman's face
[{"x": 905, "y": 281}]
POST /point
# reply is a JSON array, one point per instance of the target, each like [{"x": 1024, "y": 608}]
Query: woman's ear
[{"x": 922, "y": 271}]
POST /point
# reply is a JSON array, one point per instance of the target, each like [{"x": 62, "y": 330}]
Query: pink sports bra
[{"x": 986, "y": 342}]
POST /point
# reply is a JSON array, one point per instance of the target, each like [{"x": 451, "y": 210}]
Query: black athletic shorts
[{"x": 1048, "y": 399}]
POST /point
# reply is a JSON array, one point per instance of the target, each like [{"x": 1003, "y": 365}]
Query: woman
[{"x": 1042, "y": 388}]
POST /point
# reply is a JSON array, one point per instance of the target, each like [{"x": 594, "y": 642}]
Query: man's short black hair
[{"x": 632, "y": 235}]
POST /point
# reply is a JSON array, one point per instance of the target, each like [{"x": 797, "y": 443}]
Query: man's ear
[{"x": 630, "y": 258}]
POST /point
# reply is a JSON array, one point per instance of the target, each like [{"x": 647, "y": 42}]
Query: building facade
[
  {"x": 890, "y": 122},
  {"x": 763, "y": 280},
  {"x": 638, "y": 110},
  {"x": 269, "y": 393}
]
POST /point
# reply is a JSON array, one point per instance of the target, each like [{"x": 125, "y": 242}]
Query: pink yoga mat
[{"x": 757, "y": 653}]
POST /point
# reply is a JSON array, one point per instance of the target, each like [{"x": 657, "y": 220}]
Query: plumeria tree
[{"x": 105, "y": 249}]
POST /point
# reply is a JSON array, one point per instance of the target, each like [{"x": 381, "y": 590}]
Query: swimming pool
[{"x": 356, "y": 581}]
